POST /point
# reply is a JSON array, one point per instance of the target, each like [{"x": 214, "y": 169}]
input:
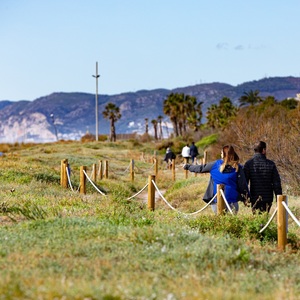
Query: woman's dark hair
[{"x": 230, "y": 157}]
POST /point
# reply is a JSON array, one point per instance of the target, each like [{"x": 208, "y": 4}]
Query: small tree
[{"x": 112, "y": 113}]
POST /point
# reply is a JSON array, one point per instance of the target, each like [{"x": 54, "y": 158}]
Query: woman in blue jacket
[{"x": 226, "y": 171}]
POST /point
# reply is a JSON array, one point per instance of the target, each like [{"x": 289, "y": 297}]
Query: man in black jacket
[
  {"x": 264, "y": 179},
  {"x": 170, "y": 155}
]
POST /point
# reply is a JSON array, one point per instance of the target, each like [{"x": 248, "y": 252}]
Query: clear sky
[{"x": 51, "y": 46}]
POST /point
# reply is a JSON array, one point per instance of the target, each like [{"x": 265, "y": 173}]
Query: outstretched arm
[{"x": 199, "y": 168}]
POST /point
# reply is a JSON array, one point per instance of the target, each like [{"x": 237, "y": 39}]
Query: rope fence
[
  {"x": 138, "y": 192},
  {"x": 93, "y": 184},
  {"x": 69, "y": 179},
  {"x": 291, "y": 214},
  {"x": 268, "y": 223},
  {"x": 282, "y": 209},
  {"x": 173, "y": 208}
]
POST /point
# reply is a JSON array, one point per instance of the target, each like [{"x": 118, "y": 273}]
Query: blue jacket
[{"x": 236, "y": 188}]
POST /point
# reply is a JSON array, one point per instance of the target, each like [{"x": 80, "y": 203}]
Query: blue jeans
[{"x": 234, "y": 207}]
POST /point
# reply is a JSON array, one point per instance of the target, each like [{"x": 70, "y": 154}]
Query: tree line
[{"x": 185, "y": 113}]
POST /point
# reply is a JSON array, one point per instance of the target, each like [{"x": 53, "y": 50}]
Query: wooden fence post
[
  {"x": 82, "y": 189},
  {"x": 281, "y": 223},
  {"x": 132, "y": 170},
  {"x": 151, "y": 192},
  {"x": 100, "y": 170},
  {"x": 220, "y": 201},
  {"x": 63, "y": 173},
  {"x": 186, "y": 160},
  {"x": 106, "y": 170},
  {"x": 155, "y": 166},
  {"x": 94, "y": 173},
  {"x": 173, "y": 170}
]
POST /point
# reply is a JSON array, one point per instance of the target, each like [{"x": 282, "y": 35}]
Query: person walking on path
[
  {"x": 170, "y": 155},
  {"x": 186, "y": 152},
  {"x": 193, "y": 152},
  {"x": 264, "y": 179},
  {"x": 226, "y": 171}
]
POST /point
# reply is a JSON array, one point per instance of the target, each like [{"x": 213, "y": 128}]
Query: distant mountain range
[{"x": 74, "y": 113}]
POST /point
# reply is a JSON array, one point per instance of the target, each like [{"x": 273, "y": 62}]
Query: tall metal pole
[{"x": 96, "y": 100}]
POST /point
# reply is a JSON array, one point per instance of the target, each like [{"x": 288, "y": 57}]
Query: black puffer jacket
[{"x": 264, "y": 178}]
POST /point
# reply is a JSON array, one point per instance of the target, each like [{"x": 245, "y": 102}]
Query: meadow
[{"x": 56, "y": 243}]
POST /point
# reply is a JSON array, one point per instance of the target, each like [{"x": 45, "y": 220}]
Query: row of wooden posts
[
  {"x": 82, "y": 178},
  {"x": 221, "y": 206},
  {"x": 104, "y": 164}
]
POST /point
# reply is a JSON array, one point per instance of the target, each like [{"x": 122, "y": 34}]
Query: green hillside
[{"x": 58, "y": 243}]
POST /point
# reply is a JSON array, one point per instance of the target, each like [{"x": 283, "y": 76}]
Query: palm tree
[
  {"x": 218, "y": 116},
  {"x": 183, "y": 110},
  {"x": 160, "y": 118},
  {"x": 154, "y": 122},
  {"x": 171, "y": 109},
  {"x": 227, "y": 111},
  {"x": 193, "y": 112},
  {"x": 146, "y": 125},
  {"x": 212, "y": 116},
  {"x": 251, "y": 98},
  {"x": 112, "y": 113}
]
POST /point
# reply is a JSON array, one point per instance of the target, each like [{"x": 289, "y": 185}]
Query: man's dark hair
[{"x": 259, "y": 147}]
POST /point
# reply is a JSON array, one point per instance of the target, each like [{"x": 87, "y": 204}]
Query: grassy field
[{"x": 56, "y": 243}]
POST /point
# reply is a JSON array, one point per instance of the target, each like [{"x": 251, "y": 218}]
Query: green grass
[{"x": 59, "y": 244}]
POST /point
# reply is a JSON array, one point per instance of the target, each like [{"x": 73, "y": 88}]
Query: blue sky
[{"x": 52, "y": 45}]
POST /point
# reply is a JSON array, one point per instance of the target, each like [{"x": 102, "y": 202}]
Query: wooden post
[
  {"x": 106, "y": 170},
  {"x": 186, "y": 160},
  {"x": 220, "y": 201},
  {"x": 100, "y": 170},
  {"x": 173, "y": 170},
  {"x": 82, "y": 189},
  {"x": 155, "y": 166},
  {"x": 281, "y": 223},
  {"x": 94, "y": 173},
  {"x": 63, "y": 173},
  {"x": 132, "y": 170},
  {"x": 151, "y": 192}
]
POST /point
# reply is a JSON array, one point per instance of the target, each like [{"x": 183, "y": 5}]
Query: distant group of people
[
  {"x": 187, "y": 153},
  {"x": 258, "y": 172},
  {"x": 190, "y": 152}
]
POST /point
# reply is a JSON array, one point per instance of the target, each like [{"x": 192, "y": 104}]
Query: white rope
[
  {"x": 228, "y": 206},
  {"x": 147, "y": 170},
  {"x": 69, "y": 180},
  {"x": 273, "y": 215},
  {"x": 138, "y": 192},
  {"x": 290, "y": 213},
  {"x": 93, "y": 183},
  {"x": 122, "y": 172},
  {"x": 196, "y": 212}
]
